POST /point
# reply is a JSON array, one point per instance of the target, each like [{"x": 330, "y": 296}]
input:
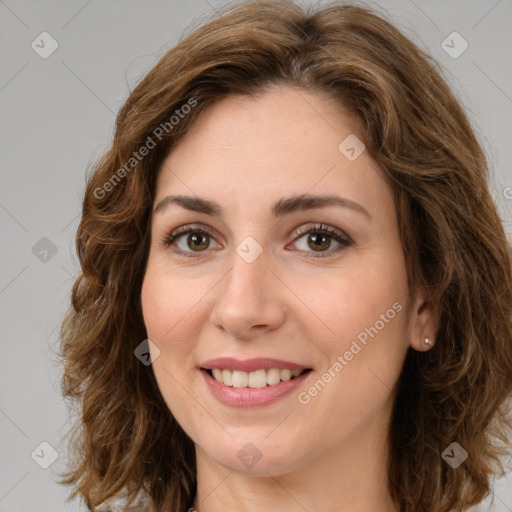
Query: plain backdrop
[{"x": 57, "y": 115}]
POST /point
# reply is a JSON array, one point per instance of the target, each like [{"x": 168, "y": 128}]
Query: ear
[{"x": 423, "y": 323}]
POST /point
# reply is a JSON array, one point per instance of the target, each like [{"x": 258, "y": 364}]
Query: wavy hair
[{"x": 125, "y": 442}]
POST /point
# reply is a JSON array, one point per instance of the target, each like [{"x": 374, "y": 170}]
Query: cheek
[
  {"x": 170, "y": 324},
  {"x": 170, "y": 304},
  {"x": 361, "y": 311},
  {"x": 343, "y": 303}
]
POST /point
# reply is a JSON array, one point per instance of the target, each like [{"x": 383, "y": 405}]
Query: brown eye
[
  {"x": 319, "y": 240},
  {"x": 198, "y": 241},
  {"x": 189, "y": 240}
]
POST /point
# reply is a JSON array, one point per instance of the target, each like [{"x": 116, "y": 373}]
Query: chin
[{"x": 254, "y": 453}]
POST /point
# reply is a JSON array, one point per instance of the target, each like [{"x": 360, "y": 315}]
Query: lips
[
  {"x": 252, "y": 382},
  {"x": 251, "y": 365}
]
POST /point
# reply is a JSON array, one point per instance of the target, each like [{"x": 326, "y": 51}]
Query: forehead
[{"x": 285, "y": 141}]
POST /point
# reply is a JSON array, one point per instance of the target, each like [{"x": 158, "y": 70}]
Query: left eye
[{"x": 319, "y": 239}]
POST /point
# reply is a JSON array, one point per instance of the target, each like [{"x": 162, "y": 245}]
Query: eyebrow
[{"x": 284, "y": 206}]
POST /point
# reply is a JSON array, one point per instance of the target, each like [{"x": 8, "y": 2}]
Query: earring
[{"x": 427, "y": 341}]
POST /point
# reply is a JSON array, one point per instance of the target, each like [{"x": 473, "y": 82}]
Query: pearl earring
[{"x": 427, "y": 341}]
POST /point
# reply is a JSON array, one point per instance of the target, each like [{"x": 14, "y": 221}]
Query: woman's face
[{"x": 258, "y": 289}]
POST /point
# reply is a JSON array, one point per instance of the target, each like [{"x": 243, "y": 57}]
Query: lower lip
[{"x": 252, "y": 397}]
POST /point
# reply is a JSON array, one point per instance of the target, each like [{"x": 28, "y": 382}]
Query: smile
[
  {"x": 256, "y": 379},
  {"x": 254, "y": 382}
]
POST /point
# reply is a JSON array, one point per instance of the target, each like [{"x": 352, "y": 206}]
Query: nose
[{"x": 249, "y": 299}]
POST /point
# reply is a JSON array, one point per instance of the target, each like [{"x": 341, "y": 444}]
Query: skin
[{"x": 246, "y": 154}]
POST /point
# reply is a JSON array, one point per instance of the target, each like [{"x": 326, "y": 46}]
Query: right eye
[{"x": 197, "y": 238}]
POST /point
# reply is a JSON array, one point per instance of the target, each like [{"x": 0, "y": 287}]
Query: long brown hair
[{"x": 126, "y": 442}]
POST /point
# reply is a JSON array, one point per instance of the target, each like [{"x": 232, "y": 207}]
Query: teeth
[
  {"x": 273, "y": 376},
  {"x": 226, "y": 377},
  {"x": 286, "y": 375},
  {"x": 256, "y": 379},
  {"x": 240, "y": 379}
]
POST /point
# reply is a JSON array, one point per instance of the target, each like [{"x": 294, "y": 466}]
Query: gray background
[{"x": 57, "y": 117}]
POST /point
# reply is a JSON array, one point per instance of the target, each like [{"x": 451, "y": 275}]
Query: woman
[{"x": 296, "y": 290}]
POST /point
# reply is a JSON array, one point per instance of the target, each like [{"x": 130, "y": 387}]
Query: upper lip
[{"x": 251, "y": 365}]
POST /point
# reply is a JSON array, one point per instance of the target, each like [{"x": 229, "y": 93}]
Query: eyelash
[{"x": 322, "y": 229}]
